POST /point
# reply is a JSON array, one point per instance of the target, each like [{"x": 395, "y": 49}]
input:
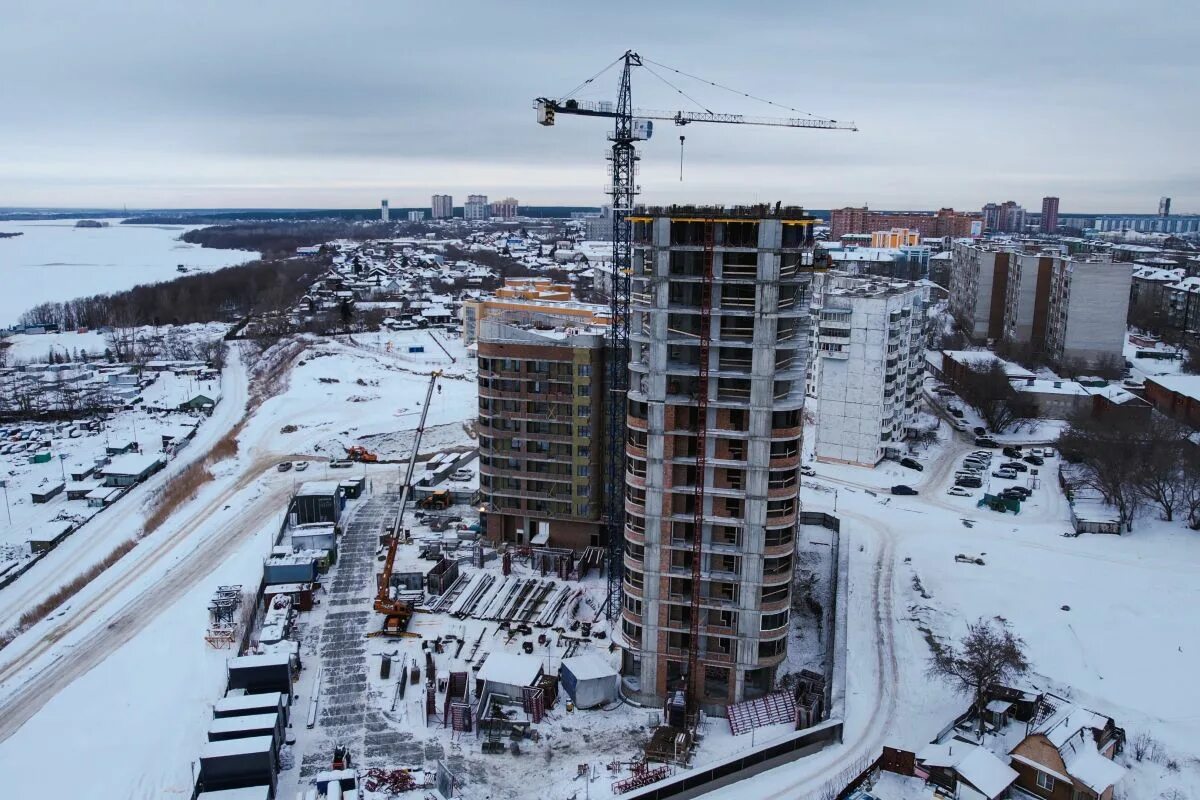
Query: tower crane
[{"x": 631, "y": 125}]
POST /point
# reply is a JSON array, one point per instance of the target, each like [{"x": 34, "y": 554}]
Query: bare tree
[
  {"x": 987, "y": 388},
  {"x": 989, "y": 654}
]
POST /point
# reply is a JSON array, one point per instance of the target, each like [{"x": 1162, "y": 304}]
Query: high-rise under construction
[{"x": 718, "y": 354}]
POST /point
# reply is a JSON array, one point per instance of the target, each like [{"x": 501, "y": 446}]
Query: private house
[
  {"x": 130, "y": 469},
  {"x": 1068, "y": 754}
]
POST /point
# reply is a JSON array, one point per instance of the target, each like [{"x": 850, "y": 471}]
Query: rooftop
[{"x": 719, "y": 213}]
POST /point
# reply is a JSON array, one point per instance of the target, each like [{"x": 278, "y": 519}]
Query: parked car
[
  {"x": 970, "y": 481},
  {"x": 301, "y": 466},
  {"x": 1015, "y": 466},
  {"x": 985, "y": 441},
  {"x": 955, "y": 411},
  {"x": 1037, "y": 461},
  {"x": 807, "y": 471},
  {"x": 904, "y": 490},
  {"x": 1011, "y": 452},
  {"x": 1018, "y": 490},
  {"x": 943, "y": 391},
  {"x": 284, "y": 466},
  {"x": 461, "y": 475},
  {"x": 1004, "y": 473},
  {"x": 341, "y": 464},
  {"x": 912, "y": 463},
  {"x": 980, "y": 430},
  {"x": 958, "y": 491}
]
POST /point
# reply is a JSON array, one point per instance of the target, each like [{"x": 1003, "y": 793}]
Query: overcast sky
[{"x": 275, "y": 103}]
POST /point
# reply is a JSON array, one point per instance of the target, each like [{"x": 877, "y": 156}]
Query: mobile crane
[{"x": 400, "y": 612}]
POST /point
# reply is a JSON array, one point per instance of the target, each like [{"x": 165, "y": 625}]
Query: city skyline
[{"x": 254, "y": 107}]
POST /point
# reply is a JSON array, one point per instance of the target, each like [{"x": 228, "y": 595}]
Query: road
[
  {"x": 102, "y": 534},
  {"x": 127, "y": 620}
]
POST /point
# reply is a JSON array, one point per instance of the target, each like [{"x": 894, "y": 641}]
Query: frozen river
[{"x": 54, "y": 260}]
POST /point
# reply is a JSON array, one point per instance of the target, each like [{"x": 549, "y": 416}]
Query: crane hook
[{"x": 681, "y": 138}]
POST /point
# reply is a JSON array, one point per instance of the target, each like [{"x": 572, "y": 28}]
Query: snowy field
[{"x": 54, "y": 261}]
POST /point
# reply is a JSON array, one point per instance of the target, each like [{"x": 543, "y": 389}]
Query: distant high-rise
[
  {"x": 442, "y": 206},
  {"x": 477, "y": 207},
  {"x": 1164, "y": 206},
  {"x": 1007, "y": 217},
  {"x": 505, "y": 209},
  {"x": 416, "y": 216},
  {"x": 1049, "y": 214},
  {"x": 384, "y": 215}
]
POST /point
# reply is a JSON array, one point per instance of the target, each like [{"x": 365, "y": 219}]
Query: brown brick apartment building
[{"x": 943, "y": 222}]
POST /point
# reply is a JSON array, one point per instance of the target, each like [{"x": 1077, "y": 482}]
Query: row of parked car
[{"x": 22, "y": 439}]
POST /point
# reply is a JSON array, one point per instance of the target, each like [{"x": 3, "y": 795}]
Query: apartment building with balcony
[
  {"x": 867, "y": 366},
  {"x": 978, "y": 289},
  {"x": 541, "y": 418},
  {"x": 718, "y": 356}
]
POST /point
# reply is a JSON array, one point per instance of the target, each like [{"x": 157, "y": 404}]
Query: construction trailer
[
  {"x": 238, "y": 764},
  {"x": 508, "y": 674},
  {"x": 353, "y": 488},
  {"x": 316, "y": 502},
  {"x": 131, "y": 469},
  {"x": 301, "y": 594},
  {"x": 247, "y": 727},
  {"x": 291, "y": 568},
  {"x": 237, "y": 705},
  {"x": 271, "y": 672},
  {"x": 245, "y": 793},
  {"x": 589, "y": 680},
  {"x": 322, "y": 536}
]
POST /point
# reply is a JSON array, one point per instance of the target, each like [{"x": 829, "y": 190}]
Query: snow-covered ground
[
  {"x": 53, "y": 260},
  {"x": 1106, "y": 619}
]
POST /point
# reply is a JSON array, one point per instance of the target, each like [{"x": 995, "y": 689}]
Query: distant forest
[
  {"x": 280, "y": 239},
  {"x": 222, "y": 295}
]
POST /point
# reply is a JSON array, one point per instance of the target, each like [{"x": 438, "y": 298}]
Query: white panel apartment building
[
  {"x": 868, "y": 363},
  {"x": 977, "y": 289},
  {"x": 477, "y": 207},
  {"x": 1087, "y": 307},
  {"x": 442, "y": 206}
]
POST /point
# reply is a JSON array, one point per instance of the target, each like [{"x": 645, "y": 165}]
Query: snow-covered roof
[
  {"x": 588, "y": 667},
  {"x": 317, "y": 489},
  {"x": 265, "y": 660},
  {"x": 247, "y": 793},
  {"x": 987, "y": 773},
  {"x": 945, "y": 755},
  {"x": 1087, "y": 766},
  {"x": 248, "y": 701},
  {"x": 237, "y": 747},
  {"x": 1186, "y": 385},
  {"x": 131, "y": 464},
  {"x": 248, "y": 722},
  {"x": 511, "y": 669}
]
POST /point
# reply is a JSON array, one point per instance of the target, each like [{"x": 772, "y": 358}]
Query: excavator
[
  {"x": 399, "y": 612},
  {"x": 360, "y": 453}
]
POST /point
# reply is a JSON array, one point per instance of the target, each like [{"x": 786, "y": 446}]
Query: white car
[
  {"x": 958, "y": 491},
  {"x": 808, "y": 471},
  {"x": 301, "y": 466}
]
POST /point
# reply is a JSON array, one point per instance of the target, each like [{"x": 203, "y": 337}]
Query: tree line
[
  {"x": 218, "y": 296},
  {"x": 1136, "y": 462}
]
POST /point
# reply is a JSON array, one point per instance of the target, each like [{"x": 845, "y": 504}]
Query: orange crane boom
[{"x": 384, "y": 602}]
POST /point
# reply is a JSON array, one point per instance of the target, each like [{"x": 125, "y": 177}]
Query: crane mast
[
  {"x": 624, "y": 191},
  {"x": 629, "y": 126}
]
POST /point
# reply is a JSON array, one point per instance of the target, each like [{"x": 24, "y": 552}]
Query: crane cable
[
  {"x": 705, "y": 108},
  {"x": 589, "y": 80},
  {"x": 728, "y": 89}
]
